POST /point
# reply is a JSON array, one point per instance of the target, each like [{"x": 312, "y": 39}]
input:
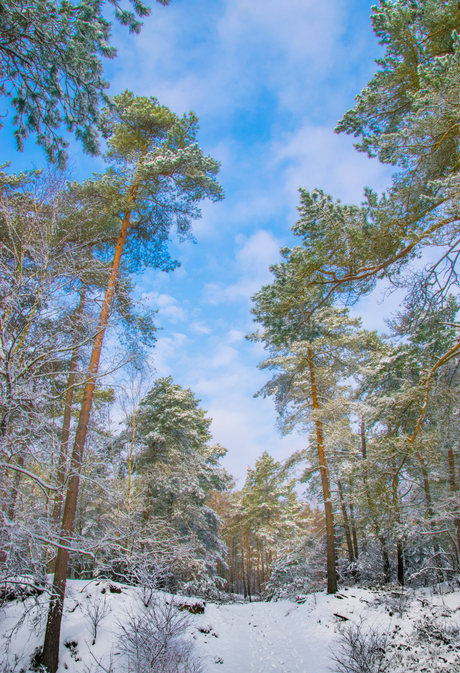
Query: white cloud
[
  {"x": 168, "y": 351},
  {"x": 173, "y": 313},
  {"x": 300, "y": 28},
  {"x": 224, "y": 357},
  {"x": 253, "y": 262},
  {"x": 166, "y": 306},
  {"x": 240, "y": 422},
  {"x": 200, "y": 328},
  {"x": 235, "y": 336},
  {"x": 282, "y": 46},
  {"x": 314, "y": 156},
  {"x": 257, "y": 253}
]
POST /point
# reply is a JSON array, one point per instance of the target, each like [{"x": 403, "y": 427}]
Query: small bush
[
  {"x": 361, "y": 649},
  {"x": 398, "y": 602},
  {"x": 153, "y": 639},
  {"x": 97, "y": 609}
]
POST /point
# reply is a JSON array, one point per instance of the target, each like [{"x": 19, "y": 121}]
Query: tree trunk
[
  {"x": 64, "y": 448},
  {"x": 346, "y": 523},
  {"x": 325, "y": 481},
  {"x": 353, "y": 530},
  {"x": 363, "y": 440},
  {"x": 248, "y": 564},
  {"x": 242, "y": 566},
  {"x": 381, "y": 538},
  {"x": 426, "y": 485},
  {"x": 453, "y": 489},
  {"x": 53, "y": 626},
  {"x": 15, "y": 491},
  {"x": 386, "y": 560},
  {"x": 399, "y": 545},
  {"x": 263, "y": 565},
  {"x": 400, "y": 554},
  {"x": 258, "y": 583}
]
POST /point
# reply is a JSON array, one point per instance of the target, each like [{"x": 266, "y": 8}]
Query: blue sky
[{"x": 268, "y": 81}]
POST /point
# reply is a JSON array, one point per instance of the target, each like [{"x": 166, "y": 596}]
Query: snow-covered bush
[
  {"x": 153, "y": 639},
  {"x": 433, "y": 646},
  {"x": 300, "y": 571},
  {"x": 361, "y": 649},
  {"x": 211, "y": 588},
  {"x": 96, "y": 609}
]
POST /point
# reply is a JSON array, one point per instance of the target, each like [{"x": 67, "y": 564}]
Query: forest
[{"x": 109, "y": 472}]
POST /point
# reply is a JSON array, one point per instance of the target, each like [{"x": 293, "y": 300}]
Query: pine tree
[
  {"x": 180, "y": 467},
  {"x": 158, "y": 176},
  {"x": 50, "y": 68},
  {"x": 311, "y": 355},
  {"x": 407, "y": 116}
]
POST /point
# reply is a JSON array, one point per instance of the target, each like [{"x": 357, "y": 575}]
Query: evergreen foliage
[
  {"x": 180, "y": 468},
  {"x": 50, "y": 68}
]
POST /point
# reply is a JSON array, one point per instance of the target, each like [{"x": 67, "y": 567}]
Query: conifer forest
[{"x": 126, "y": 542}]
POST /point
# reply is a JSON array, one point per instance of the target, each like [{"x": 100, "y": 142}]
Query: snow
[{"x": 284, "y": 636}]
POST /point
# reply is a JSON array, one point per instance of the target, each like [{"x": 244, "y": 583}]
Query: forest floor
[{"x": 408, "y": 630}]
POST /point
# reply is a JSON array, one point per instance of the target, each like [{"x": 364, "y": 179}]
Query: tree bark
[
  {"x": 385, "y": 557},
  {"x": 65, "y": 433},
  {"x": 399, "y": 545},
  {"x": 426, "y": 486},
  {"x": 248, "y": 563},
  {"x": 353, "y": 530},
  {"x": 385, "y": 560},
  {"x": 259, "y": 583},
  {"x": 453, "y": 489},
  {"x": 346, "y": 523},
  {"x": 242, "y": 565},
  {"x": 15, "y": 491},
  {"x": 53, "y": 626},
  {"x": 263, "y": 564},
  {"x": 363, "y": 440},
  {"x": 325, "y": 481},
  {"x": 64, "y": 448}
]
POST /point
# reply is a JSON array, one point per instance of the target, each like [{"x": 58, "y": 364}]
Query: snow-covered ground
[{"x": 422, "y": 630}]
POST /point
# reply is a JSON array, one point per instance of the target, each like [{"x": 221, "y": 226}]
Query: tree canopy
[{"x": 51, "y": 68}]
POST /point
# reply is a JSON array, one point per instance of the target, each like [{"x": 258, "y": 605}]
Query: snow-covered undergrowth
[{"x": 398, "y": 631}]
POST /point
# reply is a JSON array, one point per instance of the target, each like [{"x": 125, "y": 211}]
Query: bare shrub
[
  {"x": 432, "y": 646},
  {"x": 153, "y": 639},
  {"x": 439, "y": 631},
  {"x": 11, "y": 665},
  {"x": 398, "y": 602},
  {"x": 360, "y": 649},
  {"x": 96, "y": 609},
  {"x": 101, "y": 665},
  {"x": 149, "y": 578}
]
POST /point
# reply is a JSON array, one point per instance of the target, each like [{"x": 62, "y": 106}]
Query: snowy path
[
  {"x": 265, "y": 637},
  {"x": 281, "y": 637}
]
